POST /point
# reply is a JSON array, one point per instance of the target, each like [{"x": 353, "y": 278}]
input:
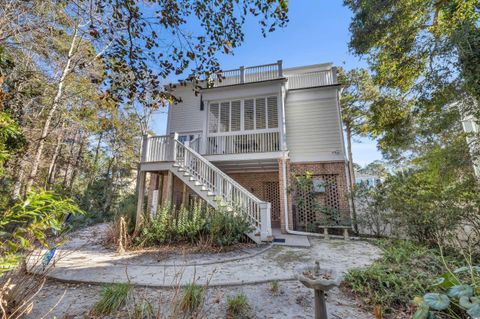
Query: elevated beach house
[{"x": 242, "y": 142}]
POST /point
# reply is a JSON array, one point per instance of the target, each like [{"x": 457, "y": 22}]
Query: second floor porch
[{"x": 227, "y": 146}]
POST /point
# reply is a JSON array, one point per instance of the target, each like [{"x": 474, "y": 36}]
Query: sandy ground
[
  {"x": 87, "y": 265},
  {"x": 85, "y": 260},
  {"x": 292, "y": 301}
]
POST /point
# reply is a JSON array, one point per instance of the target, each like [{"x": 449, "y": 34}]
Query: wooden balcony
[
  {"x": 244, "y": 143},
  {"x": 161, "y": 148}
]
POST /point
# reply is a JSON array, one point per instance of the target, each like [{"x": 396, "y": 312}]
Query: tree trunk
[
  {"x": 56, "y": 153},
  {"x": 67, "y": 176},
  {"x": 78, "y": 160},
  {"x": 351, "y": 174},
  {"x": 55, "y": 105},
  {"x": 93, "y": 174}
]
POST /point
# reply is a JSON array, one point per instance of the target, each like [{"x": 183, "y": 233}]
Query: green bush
[
  {"x": 218, "y": 227},
  {"x": 226, "y": 228},
  {"x": 392, "y": 282},
  {"x": 39, "y": 219}
]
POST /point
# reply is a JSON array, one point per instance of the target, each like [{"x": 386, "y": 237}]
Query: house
[{"x": 242, "y": 139}]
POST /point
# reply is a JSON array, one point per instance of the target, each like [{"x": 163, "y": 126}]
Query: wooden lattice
[
  {"x": 308, "y": 207},
  {"x": 271, "y": 193}
]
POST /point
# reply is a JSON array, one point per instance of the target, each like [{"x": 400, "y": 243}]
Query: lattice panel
[
  {"x": 305, "y": 206},
  {"x": 271, "y": 193}
]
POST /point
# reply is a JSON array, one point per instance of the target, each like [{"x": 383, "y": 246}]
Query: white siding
[
  {"x": 313, "y": 128},
  {"x": 186, "y": 116}
]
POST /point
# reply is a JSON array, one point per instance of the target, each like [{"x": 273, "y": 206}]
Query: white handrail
[{"x": 219, "y": 183}]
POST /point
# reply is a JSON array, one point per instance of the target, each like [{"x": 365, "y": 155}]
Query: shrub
[
  {"x": 405, "y": 271},
  {"x": 217, "y": 227},
  {"x": 36, "y": 220},
  {"x": 226, "y": 228},
  {"x": 237, "y": 304},
  {"x": 113, "y": 298},
  {"x": 193, "y": 297}
]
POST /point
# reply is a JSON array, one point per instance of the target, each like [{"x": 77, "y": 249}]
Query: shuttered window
[
  {"x": 272, "y": 110},
  {"x": 213, "y": 118},
  {"x": 249, "y": 123},
  {"x": 260, "y": 114},
  {"x": 224, "y": 117},
  {"x": 236, "y": 116}
]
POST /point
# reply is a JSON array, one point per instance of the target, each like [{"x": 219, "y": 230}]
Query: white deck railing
[
  {"x": 257, "y": 73},
  {"x": 243, "y": 143},
  {"x": 312, "y": 79},
  {"x": 157, "y": 149},
  {"x": 211, "y": 177}
]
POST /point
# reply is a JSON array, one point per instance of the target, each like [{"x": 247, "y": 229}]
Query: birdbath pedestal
[{"x": 320, "y": 280}]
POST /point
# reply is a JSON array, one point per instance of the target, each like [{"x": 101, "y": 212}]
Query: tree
[
  {"x": 359, "y": 92},
  {"x": 124, "y": 48},
  {"x": 426, "y": 52}
]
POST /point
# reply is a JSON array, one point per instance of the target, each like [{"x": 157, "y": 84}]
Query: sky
[{"x": 317, "y": 33}]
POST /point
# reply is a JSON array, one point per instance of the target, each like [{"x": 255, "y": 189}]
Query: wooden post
[
  {"x": 169, "y": 189},
  {"x": 184, "y": 194},
  {"x": 242, "y": 74},
  {"x": 140, "y": 202},
  {"x": 266, "y": 221},
  {"x": 280, "y": 68}
]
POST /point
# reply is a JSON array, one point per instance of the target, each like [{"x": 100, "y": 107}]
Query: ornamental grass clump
[
  {"x": 193, "y": 297},
  {"x": 114, "y": 297},
  {"x": 237, "y": 305}
]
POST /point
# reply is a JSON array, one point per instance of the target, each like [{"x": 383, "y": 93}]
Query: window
[
  {"x": 258, "y": 114},
  {"x": 213, "y": 118},
  {"x": 224, "y": 117},
  {"x": 236, "y": 112},
  {"x": 272, "y": 112},
  {"x": 248, "y": 115}
]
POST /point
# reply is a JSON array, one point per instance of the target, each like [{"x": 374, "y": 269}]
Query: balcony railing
[
  {"x": 157, "y": 149},
  {"x": 248, "y": 74},
  {"x": 312, "y": 79},
  {"x": 161, "y": 148},
  {"x": 243, "y": 143}
]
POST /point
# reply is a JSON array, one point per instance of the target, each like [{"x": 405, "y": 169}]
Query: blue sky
[{"x": 317, "y": 33}]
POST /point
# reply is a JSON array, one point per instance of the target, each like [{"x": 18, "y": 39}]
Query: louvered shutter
[
  {"x": 260, "y": 114},
  {"x": 272, "y": 109},
  {"x": 235, "y": 111},
  {"x": 224, "y": 117},
  {"x": 248, "y": 115},
  {"x": 213, "y": 118}
]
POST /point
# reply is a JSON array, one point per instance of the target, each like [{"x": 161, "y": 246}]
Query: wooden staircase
[{"x": 220, "y": 190}]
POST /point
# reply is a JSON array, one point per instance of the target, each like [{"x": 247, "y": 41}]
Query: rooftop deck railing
[
  {"x": 312, "y": 79},
  {"x": 274, "y": 71},
  {"x": 251, "y": 74}
]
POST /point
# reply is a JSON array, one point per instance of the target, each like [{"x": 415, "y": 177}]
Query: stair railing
[{"x": 233, "y": 194}]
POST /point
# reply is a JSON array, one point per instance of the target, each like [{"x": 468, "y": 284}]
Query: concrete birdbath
[{"x": 320, "y": 280}]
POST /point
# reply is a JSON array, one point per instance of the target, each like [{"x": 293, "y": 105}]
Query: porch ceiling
[{"x": 247, "y": 166}]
